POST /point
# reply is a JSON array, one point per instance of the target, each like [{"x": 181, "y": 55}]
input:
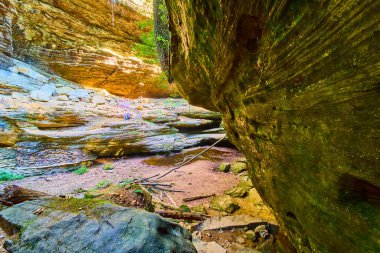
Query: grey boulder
[{"x": 75, "y": 225}]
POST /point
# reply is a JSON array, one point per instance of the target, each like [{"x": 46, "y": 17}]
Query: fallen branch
[
  {"x": 193, "y": 158},
  {"x": 181, "y": 215},
  {"x": 197, "y": 197},
  {"x": 144, "y": 179}
]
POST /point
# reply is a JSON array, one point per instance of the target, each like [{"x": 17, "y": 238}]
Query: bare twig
[
  {"x": 143, "y": 179},
  {"x": 170, "y": 198},
  {"x": 197, "y": 197},
  {"x": 168, "y": 190},
  {"x": 193, "y": 158},
  {"x": 156, "y": 184}
]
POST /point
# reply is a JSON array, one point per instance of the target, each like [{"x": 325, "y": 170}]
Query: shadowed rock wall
[{"x": 297, "y": 83}]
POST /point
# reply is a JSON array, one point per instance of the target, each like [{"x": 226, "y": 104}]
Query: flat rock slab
[
  {"x": 80, "y": 225},
  {"x": 209, "y": 247},
  {"x": 230, "y": 222}
]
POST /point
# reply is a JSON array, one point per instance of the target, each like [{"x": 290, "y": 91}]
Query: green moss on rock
[
  {"x": 223, "y": 203},
  {"x": 297, "y": 85}
]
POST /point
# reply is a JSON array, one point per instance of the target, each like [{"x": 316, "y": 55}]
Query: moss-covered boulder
[
  {"x": 224, "y": 167},
  {"x": 82, "y": 225},
  {"x": 223, "y": 203},
  {"x": 242, "y": 189},
  {"x": 238, "y": 167},
  {"x": 297, "y": 83}
]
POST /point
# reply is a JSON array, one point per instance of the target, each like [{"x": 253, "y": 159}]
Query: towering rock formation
[
  {"x": 106, "y": 44},
  {"x": 297, "y": 83}
]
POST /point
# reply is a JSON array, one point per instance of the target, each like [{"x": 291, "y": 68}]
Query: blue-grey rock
[{"x": 75, "y": 225}]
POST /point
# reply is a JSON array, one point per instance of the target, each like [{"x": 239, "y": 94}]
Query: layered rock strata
[
  {"x": 103, "y": 44},
  {"x": 47, "y": 122}
]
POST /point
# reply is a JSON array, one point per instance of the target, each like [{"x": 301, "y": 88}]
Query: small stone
[
  {"x": 105, "y": 92},
  {"x": 40, "y": 95},
  {"x": 64, "y": 90},
  {"x": 62, "y": 98},
  {"x": 74, "y": 98},
  {"x": 98, "y": 100},
  {"x": 108, "y": 166},
  {"x": 209, "y": 247},
  {"x": 238, "y": 192},
  {"x": 184, "y": 208},
  {"x": 238, "y": 167},
  {"x": 240, "y": 240},
  {"x": 247, "y": 250},
  {"x": 261, "y": 231},
  {"x": 80, "y": 93},
  {"x": 19, "y": 96},
  {"x": 242, "y": 160},
  {"x": 224, "y": 203},
  {"x": 48, "y": 88},
  {"x": 267, "y": 246},
  {"x": 199, "y": 209},
  {"x": 224, "y": 167},
  {"x": 251, "y": 235}
]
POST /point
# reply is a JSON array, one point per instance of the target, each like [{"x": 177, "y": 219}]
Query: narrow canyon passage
[{"x": 189, "y": 126}]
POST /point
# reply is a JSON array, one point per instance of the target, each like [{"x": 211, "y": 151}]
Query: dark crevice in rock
[
  {"x": 353, "y": 189},
  {"x": 248, "y": 32},
  {"x": 291, "y": 215}
]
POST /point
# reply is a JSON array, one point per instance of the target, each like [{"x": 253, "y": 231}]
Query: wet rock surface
[
  {"x": 66, "y": 124},
  {"x": 73, "y": 225}
]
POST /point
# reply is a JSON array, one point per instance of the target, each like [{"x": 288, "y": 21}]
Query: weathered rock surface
[
  {"x": 297, "y": 83},
  {"x": 72, "y": 124},
  {"x": 223, "y": 203},
  {"x": 92, "y": 43},
  {"x": 80, "y": 225},
  {"x": 208, "y": 247},
  {"x": 230, "y": 222}
]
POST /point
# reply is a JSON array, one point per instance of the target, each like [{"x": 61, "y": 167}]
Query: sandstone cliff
[
  {"x": 104, "y": 44},
  {"x": 297, "y": 83},
  {"x": 48, "y": 124}
]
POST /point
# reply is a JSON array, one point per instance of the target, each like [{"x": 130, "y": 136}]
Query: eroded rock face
[
  {"x": 96, "y": 44},
  {"x": 297, "y": 84},
  {"x": 48, "y": 123},
  {"x": 80, "y": 225}
]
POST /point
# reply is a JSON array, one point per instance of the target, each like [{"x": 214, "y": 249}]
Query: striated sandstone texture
[
  {"x": 297, "y": 83},
  {"x": 48, "y": 123},
  {"x": 103, "y": 44}
]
